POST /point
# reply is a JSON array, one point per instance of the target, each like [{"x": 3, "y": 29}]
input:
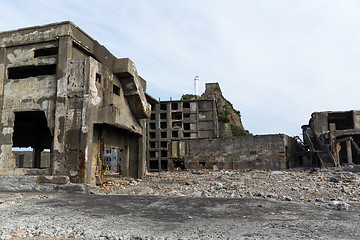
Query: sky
[{"x": 277, "y": 61}]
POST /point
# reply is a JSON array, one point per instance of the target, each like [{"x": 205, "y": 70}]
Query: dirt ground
[{"x": 298, "y": 204}]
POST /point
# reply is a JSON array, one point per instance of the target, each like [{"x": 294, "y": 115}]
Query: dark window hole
[
  {"x": 163, "y": 125},
  {"x": 164, "y": 144},
  {"x": 116, "y": 90},
  {"x": 31, "y": 71},
  {"x": 45, "y": 52}
]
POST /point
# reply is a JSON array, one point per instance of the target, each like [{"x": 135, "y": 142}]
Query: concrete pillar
[
  {"x": 142, "y": 150},
  {"x": 333, "y": 145},
  {"x": 125, "y": 170},
  {"x": 37, "y": 157},
  {"x": 349, "y": 152},
  {"x": 58, "y": 158}
]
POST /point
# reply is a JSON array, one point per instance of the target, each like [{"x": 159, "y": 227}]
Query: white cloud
[{"x": 277, "y": 61}]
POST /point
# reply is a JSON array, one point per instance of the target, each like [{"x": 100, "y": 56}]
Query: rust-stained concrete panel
[{"x": 61, "y": 90}]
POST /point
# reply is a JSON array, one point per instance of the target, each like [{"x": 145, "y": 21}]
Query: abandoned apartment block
[
  {"x": 74, "y": 103},
  {"x": 174, "y": 120},
  {"x": 332, "y": 138}
]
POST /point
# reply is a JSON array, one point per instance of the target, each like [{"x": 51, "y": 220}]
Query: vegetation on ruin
[
  {"x": 188, "y": 97},
  {"x": 238, "y": 131},
  {"x": 223, "y": 116}
]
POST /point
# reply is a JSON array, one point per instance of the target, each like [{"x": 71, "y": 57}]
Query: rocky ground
[
  {"x": 327, "y": 188},
  {"x": 295, "y": 204}
]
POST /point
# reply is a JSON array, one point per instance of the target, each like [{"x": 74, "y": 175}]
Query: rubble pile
[{"x": 328, "y": 188}]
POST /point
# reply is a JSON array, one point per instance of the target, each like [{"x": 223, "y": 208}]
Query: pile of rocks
[{"x": 328, "y": 188}]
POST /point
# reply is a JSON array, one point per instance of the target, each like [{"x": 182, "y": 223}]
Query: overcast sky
[{"x": 277, "y": 61}]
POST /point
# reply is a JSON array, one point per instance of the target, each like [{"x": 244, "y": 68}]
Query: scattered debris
[{"x": 310, "y": 187}]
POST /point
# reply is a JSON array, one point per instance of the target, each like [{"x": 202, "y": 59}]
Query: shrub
[
  {"x": 238, "y": 131},
  {"x": 188, "y": 96}
]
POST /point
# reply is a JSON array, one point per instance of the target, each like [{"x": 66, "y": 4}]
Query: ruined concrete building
[
  {"x": 180, "y": 119},
  {"x": 61, "y": 90},
  {"x": 332, "y": 138}
]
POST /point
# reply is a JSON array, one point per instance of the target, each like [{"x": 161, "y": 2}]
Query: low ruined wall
[{"x": 273, "y": 152}]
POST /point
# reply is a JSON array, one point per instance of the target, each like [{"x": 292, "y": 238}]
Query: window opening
[
  {"x": 42, "y": 52},
  {"x": 186, "y": 105},
  {"x": 176, "y": 115},
  {"x": 176, "y": 124},
  {"x": 164, "y": 144},
  {"x": 98, "y": 78},
  {"x": 163, "y": 153},
  {"x": 343, "y": 120},
  {"x": 116, "y": 90},
  {"x": 175, "y": 134},
  {"x": 154, "y": 165},
  {"x": 163, "y": 125},
  {"x": 152, "y": 154},
  {"x": 174, "y": 106},
  {"x": 186, "y": 126},
  {"x": 162, "y": 115},
  {"x": 31, "y": 71},
  {"x": 163, "y": 106}
]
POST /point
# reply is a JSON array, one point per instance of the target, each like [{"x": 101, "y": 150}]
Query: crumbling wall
[
  {"x": 245, "y": 152},
  {"x": 28, "y": 84}
]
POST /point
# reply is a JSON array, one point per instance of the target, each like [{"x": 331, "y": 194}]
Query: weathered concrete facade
[
  {"x": 333, "y": 138},
  {"x": 242, "y": 152},
  {"x": 63, "y": 91}
]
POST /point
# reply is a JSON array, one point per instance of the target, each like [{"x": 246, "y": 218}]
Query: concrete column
[
  {"x": 58, "y": 152},
  {"x": 142, "y": 150},
  {"x": 333, "y": 145},
  {"x": 37, "y": 157},
  {"x": 349, "y": 152},
  {"x": 125, "y": 170}
]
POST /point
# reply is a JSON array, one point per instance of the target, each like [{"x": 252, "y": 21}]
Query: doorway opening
[{"x": 112, "y": 161}]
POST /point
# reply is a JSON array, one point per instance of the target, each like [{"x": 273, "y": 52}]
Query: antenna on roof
[{"x": 196, "y": 85}]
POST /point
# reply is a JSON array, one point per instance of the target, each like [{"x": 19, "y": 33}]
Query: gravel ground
[
  {"x": 296, "y": 204},
  {"x": 327, "y": 188}
]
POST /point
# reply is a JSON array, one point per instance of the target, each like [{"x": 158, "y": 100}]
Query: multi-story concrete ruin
[
  {"x": 181, "y": 119},
  {"x": 63, "y": 91},
  {"x": 333, "y": 138}
]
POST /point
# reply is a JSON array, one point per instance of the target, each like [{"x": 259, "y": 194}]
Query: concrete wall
[
  {"x": 247, "y": 152},
  {"x": 24, "y": 159}
]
